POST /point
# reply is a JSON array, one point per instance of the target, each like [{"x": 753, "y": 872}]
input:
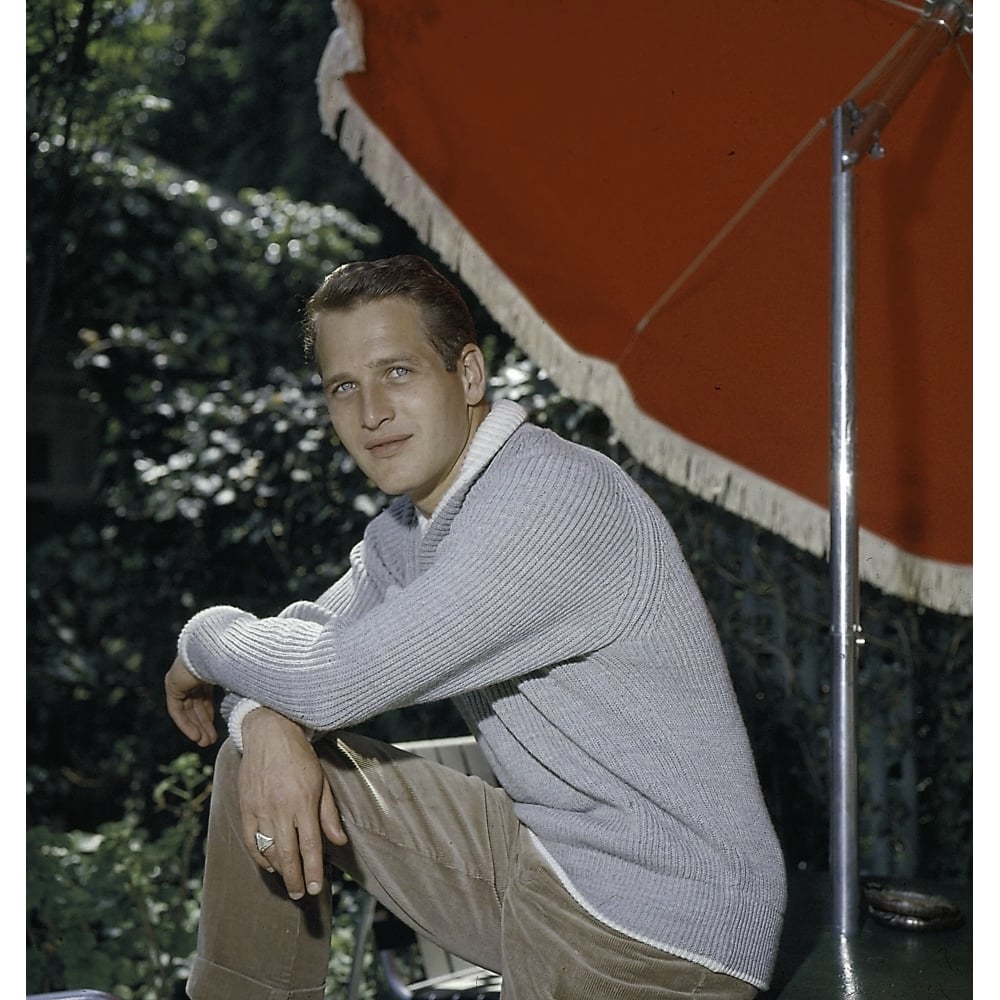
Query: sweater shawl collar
[{"x": 501, "y": 422}]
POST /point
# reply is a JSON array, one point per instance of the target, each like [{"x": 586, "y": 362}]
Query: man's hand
[
  {"x": 284, "y": 794},
  {"x": 189, "y": 704}
]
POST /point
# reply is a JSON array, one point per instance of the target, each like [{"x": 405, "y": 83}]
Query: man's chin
[
  {"x": 397, "y": 485},
  {"x": 390, "y": 487}
]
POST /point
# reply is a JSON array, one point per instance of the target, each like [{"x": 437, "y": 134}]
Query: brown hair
[{"x": 444, "y": 314}]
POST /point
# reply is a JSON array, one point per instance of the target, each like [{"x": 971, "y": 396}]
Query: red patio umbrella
[
  {"x": 640, "y": 195},
  {"x": 648, "y": 200}
]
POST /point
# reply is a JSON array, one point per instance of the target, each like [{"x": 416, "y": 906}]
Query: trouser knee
[{"x": 226, "y": 782}]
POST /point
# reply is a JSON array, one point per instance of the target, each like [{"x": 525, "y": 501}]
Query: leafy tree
[
  {"x": 243, "y": 105},
  {"x": 76, "y": 105},
  {"x": 186, "y": 295}
]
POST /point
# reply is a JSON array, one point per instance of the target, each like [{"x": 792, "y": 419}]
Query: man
[{"x": 628, "y": 852}]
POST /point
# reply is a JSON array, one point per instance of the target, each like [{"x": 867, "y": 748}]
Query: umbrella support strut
[{"x": 941, "y": 23}]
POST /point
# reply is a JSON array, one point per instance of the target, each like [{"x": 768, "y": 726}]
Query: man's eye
[
  {"x": 341, "y": 388},
  {"x": 398, "y": 372}
]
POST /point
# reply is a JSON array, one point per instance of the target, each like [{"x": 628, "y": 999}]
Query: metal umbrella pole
[
  {"x": 845, "y": 627},
  {"x": 855, "y": 135}
]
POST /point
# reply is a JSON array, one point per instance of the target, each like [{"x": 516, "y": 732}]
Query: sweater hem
[{"x": 713, "y": 965}]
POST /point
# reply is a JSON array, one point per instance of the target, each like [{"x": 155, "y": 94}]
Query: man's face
[{"x": 404, "y": 418}]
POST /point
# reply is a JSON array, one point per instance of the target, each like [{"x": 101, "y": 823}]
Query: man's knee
[
  {"x": 225, "y": 777},
  {"x": 227, "y": 761}
]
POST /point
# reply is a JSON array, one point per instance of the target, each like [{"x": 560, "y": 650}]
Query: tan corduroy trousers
[{"x": 444, "y": 852}]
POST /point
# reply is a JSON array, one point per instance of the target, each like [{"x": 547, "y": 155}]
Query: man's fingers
[
  {"x": 329, "y": 817},
  {"x": 311, "y": 855},
  {"x": 190, "y": 707},
  {"x": 295, "y": 863},
  {"x": 282, "y": 793},
  {"x": 288, "y": 862},
  {"x": 187, "y": 723},
  {"x": 266, "y": 858},
  {"x": 204, "y": 713},
  {"x": 201, "y": 729}
]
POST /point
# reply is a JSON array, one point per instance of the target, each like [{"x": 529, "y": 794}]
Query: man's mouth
[{"x": 387, "y": 447}]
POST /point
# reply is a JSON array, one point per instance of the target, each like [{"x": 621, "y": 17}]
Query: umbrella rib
[
  {"x": 747, "y": 206},
  {"x": 752, "y": 201},
  {"x": 964, "y": 61},
  {"x": 905, "y": 6}
]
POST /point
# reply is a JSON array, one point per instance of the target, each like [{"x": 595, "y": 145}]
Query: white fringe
[{"x": 942, "y": 586}]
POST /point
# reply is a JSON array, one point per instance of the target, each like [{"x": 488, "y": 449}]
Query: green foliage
[
  {"x": 118, "y": 231},
  {"x": 88, "y": 65},
  {"x": 200, "y": 423},
  {"x": 216, "y": 279},
  {"x": 117, "y": 909},
  {"x": 86, "y": 90},
  {"x": 250, "y": 66}
]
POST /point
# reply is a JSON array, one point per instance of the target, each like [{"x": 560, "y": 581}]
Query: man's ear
[{"x": 472, "y": 368}]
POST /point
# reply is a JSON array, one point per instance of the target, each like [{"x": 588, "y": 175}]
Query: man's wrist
[
  {"x": 241, "y": 713},
  {"x": 261, "y": 716}
]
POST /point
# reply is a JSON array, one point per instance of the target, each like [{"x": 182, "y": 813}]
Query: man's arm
[
  {"x": 560, "y": 582},
  {"x": 283, "y": 791},
  {"x": 284, "y": 794},
  {"x": 333, "y": 601}
]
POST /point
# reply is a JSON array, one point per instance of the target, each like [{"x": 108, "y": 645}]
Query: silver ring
[{"x": 264, "y": 842}]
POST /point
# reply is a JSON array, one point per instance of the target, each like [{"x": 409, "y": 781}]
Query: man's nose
[{"x": 375, "y": 406}]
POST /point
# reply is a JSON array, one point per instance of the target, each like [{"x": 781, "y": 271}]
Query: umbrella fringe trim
[{"x": 944, "y": 587}]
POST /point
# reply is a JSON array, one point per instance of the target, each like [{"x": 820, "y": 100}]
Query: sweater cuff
[
  {"x": 242, "y": 709},
  {"x": 235, "y": 722}
]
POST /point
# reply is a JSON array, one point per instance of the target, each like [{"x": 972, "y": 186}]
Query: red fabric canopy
[{"x": 641, "y": 196}]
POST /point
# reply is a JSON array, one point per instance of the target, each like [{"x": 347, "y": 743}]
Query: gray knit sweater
[{"x": 547, "y": 595}]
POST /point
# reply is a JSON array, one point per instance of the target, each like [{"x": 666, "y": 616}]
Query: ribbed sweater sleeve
[
  {"x": 520, "y": 581},
  {"x": 334, "y": 600}
]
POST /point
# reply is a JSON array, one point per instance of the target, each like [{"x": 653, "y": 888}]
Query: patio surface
[{"x": 880, "y": 963}]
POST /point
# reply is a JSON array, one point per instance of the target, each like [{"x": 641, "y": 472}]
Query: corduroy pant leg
[
  {"x": 555, "y": 950},
  {"x": 433, "y": 845},
  {"x": 444, "y": 852},
  {"x": 254, "y": 943}
]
